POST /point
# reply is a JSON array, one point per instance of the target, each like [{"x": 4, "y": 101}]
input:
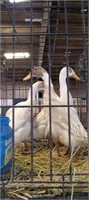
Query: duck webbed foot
[
  {"x": 48, "y": 137},
  {"x": 26, "y": 146},
  {"x": 57, "y": 149}
]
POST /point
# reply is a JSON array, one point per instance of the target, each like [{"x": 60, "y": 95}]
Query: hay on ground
[{"x": 41, "y": 170}]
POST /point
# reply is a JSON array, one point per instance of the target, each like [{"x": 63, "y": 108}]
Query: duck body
[
  {"x": 22, "y": 122},
  {"x": 59, "y": 115},
  {"x": 21, "y": 114},
  {"x": 39, "y": 125},
  {"x": 64, "y": 91},
  {"x": 59, "y": 123},
  {"x": 22, "y": 117},
  {"x": 77, "y": 132},
  {"x": 79, "y": 136},
  {"x": 63, "y": 87}
]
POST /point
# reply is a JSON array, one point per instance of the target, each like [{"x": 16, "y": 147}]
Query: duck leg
[
  {"x": 26, "y": 146},
  {"x": 57, "y": 148},
  {"x": 48, "y": 137},
  {"x": 68, "y": 151},
  {"x": 53, "y": 144}
]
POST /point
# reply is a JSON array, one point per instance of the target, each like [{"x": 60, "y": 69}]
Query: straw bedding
[{"x": 41, "y": 170}]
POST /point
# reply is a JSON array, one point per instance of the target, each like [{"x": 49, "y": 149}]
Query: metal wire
[
  {"x": 68, "y": 102},
  {"x": 12, "y": 172},
  {"x": 13, "y": 23},
  {"x": 63, "y": 177},
  {"x": 49, "y": 68},
  {"x": 32, "y": 155},
  {"x": 88, "y": 102},
  {"x": 42, "y": 34}
]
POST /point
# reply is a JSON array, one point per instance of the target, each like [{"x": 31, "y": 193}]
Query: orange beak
[
  {"x": 75, "y": 76},
  {"x": 27, "y": 77}
]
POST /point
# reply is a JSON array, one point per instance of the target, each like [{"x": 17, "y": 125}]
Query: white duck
[
  {"x": 59, "y": 116},
  {"x": 40, "y": 121},
  {"x": 63, "y": 86},
  {"x": 22, "y": 115}
]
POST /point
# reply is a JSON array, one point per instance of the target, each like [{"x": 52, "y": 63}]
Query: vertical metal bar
[
  {"x": 88, "y": 120},
  {"x": 1, "y": 104},
  {"x": 49, "y": 66},
  {"x": 84, "y": 38},
  {"x": 2, "y": 190},
  {"x": 6, "y": 95},
  {"x": 56, "y": 29},
  {"x": 1, "y": 92},
  {"x": 86, "y": 69},
  {"x": 12, "y": 173},
  {"x": 84, "y": 51},
  {"x": 67, "y": 60},
  {"x": 31, "y": 38},
  {"x": 20, "y": 44},
  {"x": 63, "y": 187},
  {"x": 88, "y": 101}
]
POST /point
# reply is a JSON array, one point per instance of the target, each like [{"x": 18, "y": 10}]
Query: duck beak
[
  {"x": 27, "y": 77},
  {"x": 75, "y": 76}
]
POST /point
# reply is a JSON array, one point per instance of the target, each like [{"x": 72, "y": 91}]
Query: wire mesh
[{"x": 52, "y": 43}]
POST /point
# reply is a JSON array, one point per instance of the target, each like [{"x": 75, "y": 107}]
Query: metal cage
[{"x": 55, "y": 34}]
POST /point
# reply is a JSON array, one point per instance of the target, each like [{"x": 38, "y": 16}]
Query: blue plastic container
[{"x": 5, "y": 145}]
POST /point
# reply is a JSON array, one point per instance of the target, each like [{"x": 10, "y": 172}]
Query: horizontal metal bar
[
  {"x": 47, "y": 182},
  {"x": 41, "y": 34},
  {"x": 46, "y": 106}
]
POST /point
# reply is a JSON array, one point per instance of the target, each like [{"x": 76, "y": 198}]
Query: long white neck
[
  {"x": 63, "y": 87},
  {"x": 46, "y": 93},
  {"x": 45, "y": 78},
  {"x": 62, "y": 82},
  {"x": 34, "y": 91}
]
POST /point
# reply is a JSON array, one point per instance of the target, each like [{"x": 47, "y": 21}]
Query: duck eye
[{"x": 70, "y": 70}]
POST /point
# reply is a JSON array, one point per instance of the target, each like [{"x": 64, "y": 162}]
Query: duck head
[
  {"x": 71, "y": 73},
  {"x": 39, "y": 72},
  {"x": 36, "y": 72},
  {"x": 41, "y": 85}
]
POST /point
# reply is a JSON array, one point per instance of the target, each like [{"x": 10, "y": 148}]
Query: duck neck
[
  {"x": 46, "y": 80},
  {"x": 63, "y": 84},
  {"x": 63, "y": 89},
  {"x": 34, "y": 90}
]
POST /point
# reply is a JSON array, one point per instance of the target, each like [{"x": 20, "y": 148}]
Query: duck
[
  {"x": 40, "y": 121},
  {"x": 39, "y": 126},
  {"x": 22, "y": 116},
  {"x": 59, "y": 116},
  {"x": 63, "y": 84}
]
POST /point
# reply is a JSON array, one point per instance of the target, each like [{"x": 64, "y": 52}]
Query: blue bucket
[{"x": 5, "y": 145}]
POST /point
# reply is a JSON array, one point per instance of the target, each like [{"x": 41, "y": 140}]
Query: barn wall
[
  {"x": 21, "y": 89},
  {"x": 78, "y": 91}
]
